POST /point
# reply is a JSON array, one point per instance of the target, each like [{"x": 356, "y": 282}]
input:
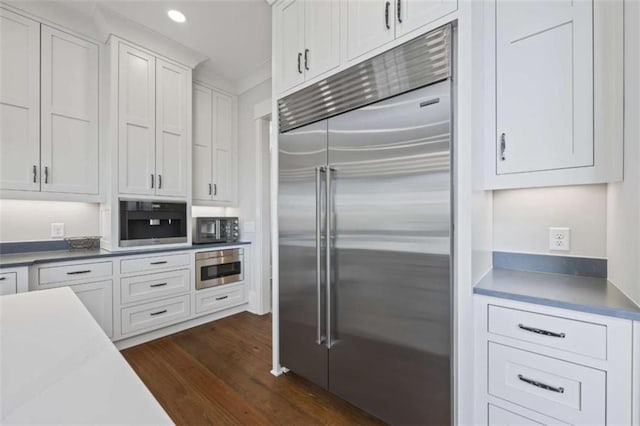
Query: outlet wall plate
[
  {"x": 57, "y": 230},
  {"x": 559, "y": 239}
]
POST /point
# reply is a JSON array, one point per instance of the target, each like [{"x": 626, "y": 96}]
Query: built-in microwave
[
  {"x": 152, "y": 222},
  {"x": 215, "y": 230},
  {"x": 218, "y": 267}
]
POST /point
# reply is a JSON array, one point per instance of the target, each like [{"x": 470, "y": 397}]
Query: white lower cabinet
[
  {"x": 8, "y": 283},
  {"x": 155, "y": 314},
  {"x": 542, "y": 365},
  {"x": 97, "y": 298},
  {"x": 216, "y": 299}
]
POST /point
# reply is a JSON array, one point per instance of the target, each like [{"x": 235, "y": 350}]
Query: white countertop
[{"x": 58, "y": 367}]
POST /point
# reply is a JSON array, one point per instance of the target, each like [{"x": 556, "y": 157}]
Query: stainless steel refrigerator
[{"x": 365, "y": 226}]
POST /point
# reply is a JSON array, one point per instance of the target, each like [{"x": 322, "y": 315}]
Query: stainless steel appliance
[
  {"x": 365, "y": 224},
  {"x": 218, "y": 267},
  {"x": 152, "y": 222},
  {"x": 215, "y": 230}
]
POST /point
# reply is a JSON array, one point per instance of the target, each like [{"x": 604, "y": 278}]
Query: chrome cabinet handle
[
  {"x": 158, "y": 313},
  {"x": 541, "y": 331},
  {"x": 299, "y": 63},
  {"x": 503, "y": 147},
  {"x": 210, "y": 189},
  {"x": 35, "y": 174},
  {"x": 160, "y": 262},
  {"x": 306, "y": 59},
  {"x": 86, "y": 271},
  {"x": 152, "y": 180},
  {"x": 158, "y": 285},
  {"x": 399, "y": 8},
  {"x": 386, "y": 15},
  {"x": 540, "y": 384},
  {"x": 159, "y": 181},
  {"x": 46, "y": 174},
  {"x": 221, "y": 297}
]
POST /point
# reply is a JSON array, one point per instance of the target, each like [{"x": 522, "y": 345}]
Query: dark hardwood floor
[{"x": 218, "y": 373}]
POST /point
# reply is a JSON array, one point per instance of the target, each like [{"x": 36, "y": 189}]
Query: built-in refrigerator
[{"x": 365, "y": 231}]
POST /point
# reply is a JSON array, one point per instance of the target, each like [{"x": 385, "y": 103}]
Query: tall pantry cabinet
[{"x": 49, "y": 140}]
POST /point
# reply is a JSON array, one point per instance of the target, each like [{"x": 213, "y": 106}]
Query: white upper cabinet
[
  {"x": 291, "y": 43},
  {"x": 202, "y": 142},
  {"x": 544, "y": 88},
  {"x": 371, "y": 24},
  {"x": 19, "y": 102},
  {"x": 554, "y": 80},
  {"x": 308, "y": 41},
  {"x": 69, "y": 114},
  {"x": 322, "y": 37},
  {"x": 224, "y": 164},
  {"x": 214, "y": 147},
  {"x": 413, "y": 14},
  {"x": 172, "y": 148},
  {"x": 136, "y": 121}
]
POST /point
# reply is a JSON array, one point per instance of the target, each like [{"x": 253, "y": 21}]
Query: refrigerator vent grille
[{"x": 419, "y": 62}]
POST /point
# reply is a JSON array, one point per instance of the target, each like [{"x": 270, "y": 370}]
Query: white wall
[
  {"x": 22, "y": 220},
  {"x": 623, "y": 231},
  {"x": 522, "y": 218}
]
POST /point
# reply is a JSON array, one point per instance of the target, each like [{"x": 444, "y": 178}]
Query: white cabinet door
[
  {"x": 96, "y": 297},
  {"x": 202, "y": 143},
  {"x": 413, "y": 14},
  {"x": 172, "y": 147},
  {"x": 136, "y": 121},
  {"x": 69, "y": 113},
  {"x": 19, "y": 102},
  {"x": 291, "y": 67},
  {"x": 224, "y": 166},
  {"x": 322, "y": 37},
  {"x": 544, "y": 85},
  {"x": 370, "y": 23}
]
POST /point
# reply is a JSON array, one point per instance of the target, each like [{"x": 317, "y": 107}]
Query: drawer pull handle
[
  {"x": 158, "y": 285},
  {"x": 86, "y": 271},
  {"x": 161, "y": 262},
  {"x": 3, "y": 278},
  {"x": 540, "y": 384},
  {"x": 221, "y": 297},
  {"x": 541, "y": 331},
  {"x": 158, "y": 313}
]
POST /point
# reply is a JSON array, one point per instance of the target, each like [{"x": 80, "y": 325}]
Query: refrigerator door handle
[
  {"x": 330, "y": 170},
  {"x": 319, "y": 338}
]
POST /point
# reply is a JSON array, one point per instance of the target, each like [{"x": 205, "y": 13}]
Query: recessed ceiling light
[{"x": 176, "y": 16}]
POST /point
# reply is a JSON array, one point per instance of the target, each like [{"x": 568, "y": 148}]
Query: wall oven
[
  {"x": 152, "y": 222},
  {"x": 219, "y": 267}
]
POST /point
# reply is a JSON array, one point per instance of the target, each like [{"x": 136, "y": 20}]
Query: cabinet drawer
[
  {"x": 152, "y": 286},
  {"x": 83, "y": 271},
  {"x": 8, "y": 283},
  {"x": 500, "y": 417},
  {"x": 219, "y": 298},
  {"x": 155, "y": 314},
  {"x": 568, "y": 335},
  {"x": 151, "y": 263},
  {"x": 562, "y": 390}
]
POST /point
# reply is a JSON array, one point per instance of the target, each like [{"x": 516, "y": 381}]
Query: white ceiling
[{"x": 234, "y": 34}]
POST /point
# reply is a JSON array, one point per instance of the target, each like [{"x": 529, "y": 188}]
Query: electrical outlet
[
  {"x": 57, "y": 230},
  {"x": 560, "y": 239}
]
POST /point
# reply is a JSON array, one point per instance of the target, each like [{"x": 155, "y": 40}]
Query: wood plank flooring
[{"x": 218, "y": 373}]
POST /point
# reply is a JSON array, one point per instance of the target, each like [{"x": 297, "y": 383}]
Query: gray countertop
[
  {"x": 584, "y": 294},
  {"x": 30, "y": 258}
]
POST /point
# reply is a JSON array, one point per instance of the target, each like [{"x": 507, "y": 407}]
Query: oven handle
[{"x": 218, "y": 260}]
